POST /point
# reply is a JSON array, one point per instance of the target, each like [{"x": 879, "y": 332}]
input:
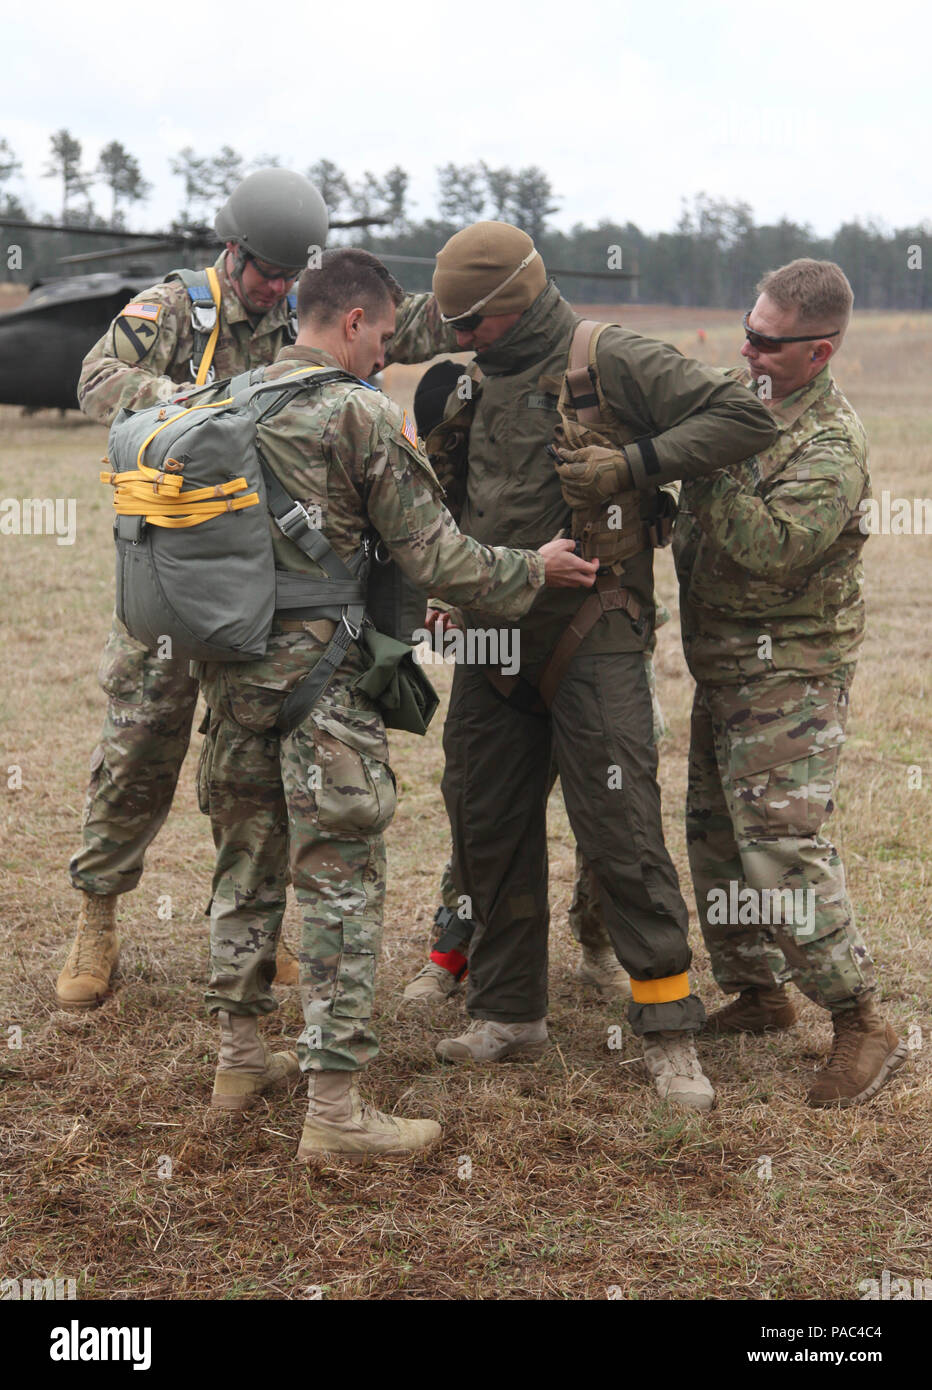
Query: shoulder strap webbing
[
  {"x": 343, "y": 586},
  {"x": 581, "y": 376},
  {"x": 247, "y": 385},
  {"x": 203, "y": 288},
  {"x": 293, "y": 521}
]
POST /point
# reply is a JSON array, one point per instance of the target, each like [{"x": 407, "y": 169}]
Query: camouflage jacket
[
  {"x": 768, "y": 551},
  {"x": 144, "y": 357},
  {"x": 140, "y": 361},
  {"x": 348, "y": 450},
  {"x": 419, "y": 332}
]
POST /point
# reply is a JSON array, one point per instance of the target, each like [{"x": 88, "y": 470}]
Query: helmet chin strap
[{"x": 240, "y": 257}]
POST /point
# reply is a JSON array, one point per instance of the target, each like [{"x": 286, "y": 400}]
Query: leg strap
[{"x": 608, "y": 595}]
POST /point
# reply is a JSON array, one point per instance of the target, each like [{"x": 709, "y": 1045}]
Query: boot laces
[
  {"x": 848, "y": 1036},
  {"x": 433, "y": 970},
  {"x": 368, "y": 1114},
  {"x": 677, "y": 1050},
  {"x": 88, "y": 948}
]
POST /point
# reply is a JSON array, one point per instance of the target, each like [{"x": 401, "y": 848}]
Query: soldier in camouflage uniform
[
  {"x": 271, "y": 224},
  {"x": 322, "y": 795},
  {"x": 768, "y": 554}
]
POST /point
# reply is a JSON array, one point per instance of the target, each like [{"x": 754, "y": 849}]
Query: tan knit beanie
[{"x": 478, "y": 261}]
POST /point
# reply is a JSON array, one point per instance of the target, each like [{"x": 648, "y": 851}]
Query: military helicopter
[{"x": 44, "y": 341}]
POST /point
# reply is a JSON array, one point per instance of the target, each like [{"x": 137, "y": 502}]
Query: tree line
[{"x": 713, "y": 256}]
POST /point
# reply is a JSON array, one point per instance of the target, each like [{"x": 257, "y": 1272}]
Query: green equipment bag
[
  {"x": 396, "y": 683},
  {"x": 184, "y": 465},
  {"x": 214, "y": 595}
]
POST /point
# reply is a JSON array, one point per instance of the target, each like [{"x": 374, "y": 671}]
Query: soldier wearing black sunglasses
[{"x": 768, "y": 554}]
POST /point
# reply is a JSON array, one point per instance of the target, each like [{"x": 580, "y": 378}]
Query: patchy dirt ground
[{"x": 560, "y": 1180}]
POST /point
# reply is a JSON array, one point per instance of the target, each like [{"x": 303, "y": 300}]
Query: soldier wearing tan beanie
[{"x": 490, "y": 268}]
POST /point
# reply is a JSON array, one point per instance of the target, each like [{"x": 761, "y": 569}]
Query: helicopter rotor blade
[
  {"x": 554, "y": 270},
  {"x": 116, "y": 252}
]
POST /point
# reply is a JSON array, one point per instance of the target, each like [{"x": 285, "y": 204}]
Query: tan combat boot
[
  {"x": 599, "y": 966},
  {"x": 486, "y": 1040},
  {"x": 865, "y": 1053},
  {"x": 287, "y": 966},
  {"x": 247, "y": 1067},
  {"x": 432, "y": 984},
  {"x": 671, "y": 1060},
  {"x": 341, "y": 1125},
  {"x": 754, "y": 1011},
  {"x": 85, "y": 981}
]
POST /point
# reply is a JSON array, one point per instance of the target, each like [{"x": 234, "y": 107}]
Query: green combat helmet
[{"x": 276, "y": 215}]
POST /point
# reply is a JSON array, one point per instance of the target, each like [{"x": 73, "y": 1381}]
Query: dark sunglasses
[
  {"x": 269, "y": 272},
  {"x": 466, "y": 323},
  {"x": 757, "y": 340}
]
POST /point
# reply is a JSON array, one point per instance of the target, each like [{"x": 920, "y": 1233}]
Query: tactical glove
[{"x": 590, "y": 476}]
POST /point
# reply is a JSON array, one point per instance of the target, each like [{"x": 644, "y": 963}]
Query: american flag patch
[
  {"x": 142, "y": 311},
  {"x": 409, "y": 430}
]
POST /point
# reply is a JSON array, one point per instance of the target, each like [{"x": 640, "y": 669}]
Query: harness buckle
[
  {"x": 295, "y": 521},
  {"x": 353, "y": 632},
  {"x": 203, "y": 317}
]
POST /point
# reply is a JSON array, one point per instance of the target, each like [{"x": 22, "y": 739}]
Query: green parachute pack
[{"x": 194, "y": 557}]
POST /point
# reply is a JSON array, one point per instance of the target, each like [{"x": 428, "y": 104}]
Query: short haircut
[
  {"x": 348, "y": 278},
  {"x": 818, "y": 290}
]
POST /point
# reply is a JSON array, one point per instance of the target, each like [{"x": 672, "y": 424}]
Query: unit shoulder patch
[{"x": 136, "y": 331}]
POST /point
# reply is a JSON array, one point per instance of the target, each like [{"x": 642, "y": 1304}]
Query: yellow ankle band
[{"x": 660, "y": 991}]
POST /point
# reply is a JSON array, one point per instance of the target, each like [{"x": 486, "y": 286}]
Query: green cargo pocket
[
  {"x": 254, "y": 705},
  {"x": 354, "y": 989},
  {"x": 122, "y": 670},
  {"x": 356, "y": 790}
]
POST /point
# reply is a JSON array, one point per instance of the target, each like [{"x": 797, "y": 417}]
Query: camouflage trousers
[
  {"x": 135, "y": 766},
  {"x": 585, "y": 915},
  {"x": 316, "y": 803},
  {"x": 770, "y": 888}
]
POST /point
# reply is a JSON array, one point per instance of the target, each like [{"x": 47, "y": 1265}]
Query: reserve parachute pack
[{"x": 194, "y": 556}]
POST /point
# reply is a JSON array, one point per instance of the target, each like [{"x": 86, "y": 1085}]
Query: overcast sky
[{"x": 812, "y": 109}]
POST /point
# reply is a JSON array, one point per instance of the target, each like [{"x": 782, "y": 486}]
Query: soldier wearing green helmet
[{"x": 195, "y": 326}]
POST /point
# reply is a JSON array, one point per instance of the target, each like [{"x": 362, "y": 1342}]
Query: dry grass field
[{"x": 580, "y": 1185}]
